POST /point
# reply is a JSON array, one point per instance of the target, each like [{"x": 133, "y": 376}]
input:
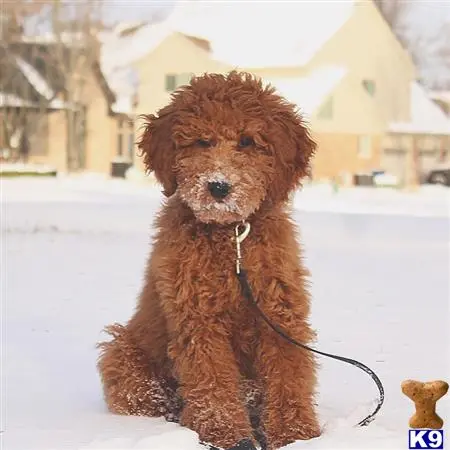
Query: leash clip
[{"x": 239, "y": 237}]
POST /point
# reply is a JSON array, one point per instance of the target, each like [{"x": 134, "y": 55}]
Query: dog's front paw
[
  {"x": 217, "y": 425},
  {"x": 292, "y": 433}
]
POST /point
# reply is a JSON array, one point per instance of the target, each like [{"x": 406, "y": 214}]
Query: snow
[
  {"x": 123, "y": 81},
  {"x": 73, "y": 259},
  {"x": 310, "y": 91},
  {"x": 123, "y": 104},
  {"x": 23, "y": 168},
  {"x": 426, "y": 116}
]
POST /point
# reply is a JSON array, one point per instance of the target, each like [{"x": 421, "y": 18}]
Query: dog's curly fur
[{"x": 194, "y": 351}]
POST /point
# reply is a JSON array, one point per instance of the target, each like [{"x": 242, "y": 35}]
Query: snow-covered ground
[{"x": 73, "y": 252}]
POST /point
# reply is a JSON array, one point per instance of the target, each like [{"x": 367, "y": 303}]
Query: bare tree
[
  {"x": 430, "y": 50},
  {"x": 65, "y": 32},
  {"x": 444, "y": 56},
  {"x": 393, "y": 11},
  {"x": 22, "y": 107},
  {"x": 74, "y": 27}
]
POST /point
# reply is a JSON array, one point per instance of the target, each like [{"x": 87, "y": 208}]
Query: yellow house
[
  {"x": 342, "y": 66},
  {"x": 34, "y": 102},
  {"x": 104, "y": 130}
]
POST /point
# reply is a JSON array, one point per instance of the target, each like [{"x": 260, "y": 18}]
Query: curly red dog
[{"x": 225, "y": 149}]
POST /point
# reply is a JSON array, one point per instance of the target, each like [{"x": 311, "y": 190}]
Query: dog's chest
[
  {"x": 215, "y": 259},
  {"x": 210, "y": 271}
]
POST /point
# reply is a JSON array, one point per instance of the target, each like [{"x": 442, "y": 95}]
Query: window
[
  {"x": 171, "y": 83},
  {"x": 326, "y": 111},
  {"x": 125, "y": 139},
  {"x": 365, "y": 147},
  {"x": 131, "y": 145},
  {"x": 80, "y": 130},
  {"x": 369, "y": 86},
  {"x": 119, "y": 144},
  {"x": 40, "y": 65},
  {"x": 174, "y": 81}
]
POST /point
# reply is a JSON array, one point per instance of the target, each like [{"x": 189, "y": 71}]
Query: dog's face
[{"x": 225, "y": 145}]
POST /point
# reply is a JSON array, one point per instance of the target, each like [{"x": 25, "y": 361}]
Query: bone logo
[{"x": 426, "y": 426}]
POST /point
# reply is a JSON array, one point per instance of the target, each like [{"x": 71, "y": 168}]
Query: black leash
[{"x": 248, "y": 294}]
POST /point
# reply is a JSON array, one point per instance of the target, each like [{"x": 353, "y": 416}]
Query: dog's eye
[
  {"x": 204, "y": 143},
  {"x": 246, "y": 141}
]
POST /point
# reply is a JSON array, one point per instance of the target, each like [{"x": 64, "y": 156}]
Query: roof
[
  {"x": 305, "y": 30},
  {"x": 13, "y": 101},
  {"x": 309, "y": 92},
  {"x": 426, "y": 116},
  {"x": 261, "y": 43},
  {"x": 207, "y": 24}
]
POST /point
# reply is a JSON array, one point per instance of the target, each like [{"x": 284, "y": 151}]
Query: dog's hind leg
[{"x": 131, "y": 383}]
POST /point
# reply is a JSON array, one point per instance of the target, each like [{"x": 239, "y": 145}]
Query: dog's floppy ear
[
  {"x": 299, "y": 147},
  {"x": 157, "y": 148}
]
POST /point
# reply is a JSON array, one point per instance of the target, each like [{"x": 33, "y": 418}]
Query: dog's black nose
[{"x": 219, "y": 189}]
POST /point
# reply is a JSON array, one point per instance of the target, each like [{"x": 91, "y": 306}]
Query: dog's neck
[{"x": 186, "y": 218}]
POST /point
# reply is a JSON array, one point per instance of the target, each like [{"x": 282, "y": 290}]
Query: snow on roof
[
  {"x": 426, "y": 116},
  {"x": 117, "y": 55},
  {"x": 123, "y": 82},
  {"x": 76, "y": 38},
  {"x": 282, "y": 34},
  {"x": 13, "y": 101},
  {"x": 35, "y": 79},
  {"x": 121, "y": 51},
  {"x": 309, "y": 92},
  {"x": 123, "y": 104}
]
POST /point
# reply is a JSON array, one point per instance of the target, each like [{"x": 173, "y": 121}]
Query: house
[
  {"x": 412, "y": 148},
  {"x": 343, "y": 67},
  {"x": 73, "y": 121},
  {"x": 156, "y": 59}
]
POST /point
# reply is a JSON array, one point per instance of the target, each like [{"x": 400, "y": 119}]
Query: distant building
[{"x": 338, "y": 61}]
